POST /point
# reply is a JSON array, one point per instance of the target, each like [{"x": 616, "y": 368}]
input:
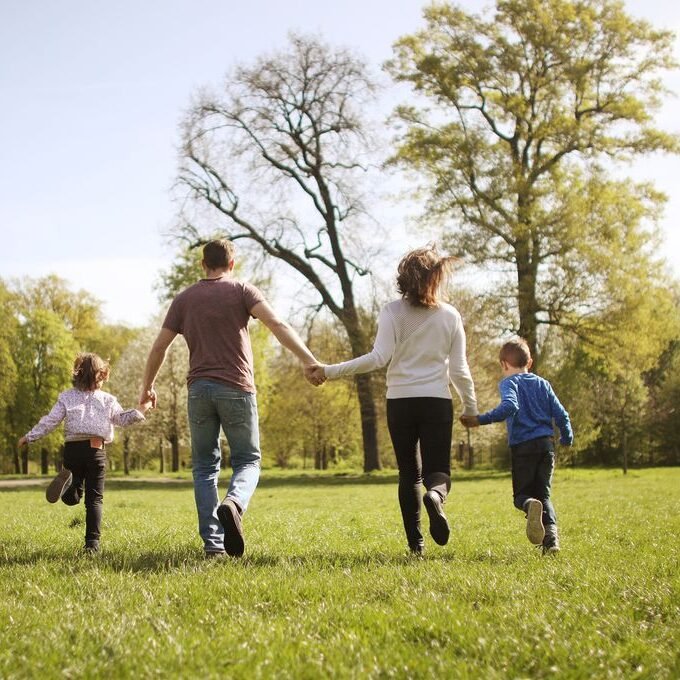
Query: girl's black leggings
[
  {"x": 88, "y": 467},
  {"x": 420, "y": 429}
]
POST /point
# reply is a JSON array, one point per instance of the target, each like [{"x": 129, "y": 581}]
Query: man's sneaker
[
  {"x": 439, "y": 526},
  {"x": 214, "y": 554},
  {"x": 551, "y": 542},
  {"x": 535, "y": 530},
  {"x": 229, "y": 515},
  {"x": 58, "y": 485}
]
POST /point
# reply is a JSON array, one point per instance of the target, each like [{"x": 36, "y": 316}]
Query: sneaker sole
[
  {"x": 58, "y": 485},
  {"x": 535, "y": 528},
  {"x": 552, "y": 550},
  {"x": 439, "y": 525},
  {"x": 234, "y": 544}
]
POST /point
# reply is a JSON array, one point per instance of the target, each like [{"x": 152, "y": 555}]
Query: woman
[{"x": 423, "y": 339}]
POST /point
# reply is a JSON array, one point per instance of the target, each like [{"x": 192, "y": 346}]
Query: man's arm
[
  {"x": 283, "y": 333},
  {"x": 153, "y": 364}
]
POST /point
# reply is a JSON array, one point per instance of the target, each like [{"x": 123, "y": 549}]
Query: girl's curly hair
[
  {"x": 421, "y": 273},
  {"x": 89, "y": 372}
]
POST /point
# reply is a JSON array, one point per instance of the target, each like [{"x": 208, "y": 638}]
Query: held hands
[
  {"x": 22, "y": 442},
  {"x": 315, "y": 374},
  {"x": 147, "y": 399},
  {"x": 470, "y": 421}
]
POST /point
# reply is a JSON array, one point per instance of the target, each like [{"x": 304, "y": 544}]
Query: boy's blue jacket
[{"x": 529, "y": 407}]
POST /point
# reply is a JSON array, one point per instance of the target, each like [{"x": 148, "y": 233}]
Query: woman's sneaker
[
  {"x": 535, "y": 529},
  {"x": 439, "y": 525},
  {"x": 58, "y": 485}
]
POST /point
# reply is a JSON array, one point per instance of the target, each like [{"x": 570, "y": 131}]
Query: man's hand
[
  {"x": 22, "y": 442},
  {"x": 470, "y": 421},
  {"x": 148, "y": 396},
  {"x": 315, "y": 374}
]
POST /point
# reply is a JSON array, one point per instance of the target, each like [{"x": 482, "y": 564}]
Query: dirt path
[{"x": 44, "y": 481}]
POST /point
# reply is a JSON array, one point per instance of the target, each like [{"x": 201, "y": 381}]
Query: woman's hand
[{"x": 315, "y": 374}]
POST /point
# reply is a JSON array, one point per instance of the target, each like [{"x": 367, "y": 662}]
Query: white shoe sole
[{"x": 535, "y": 528}]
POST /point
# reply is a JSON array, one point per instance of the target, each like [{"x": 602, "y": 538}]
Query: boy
[{"x": 529, "y": 407}]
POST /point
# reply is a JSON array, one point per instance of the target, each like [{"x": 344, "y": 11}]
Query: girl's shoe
[
  {"x": 535, "y": 530},
  {"x": 58, "y": 485}
]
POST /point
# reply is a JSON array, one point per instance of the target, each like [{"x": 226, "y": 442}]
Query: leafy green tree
[
  {"x": 79, "y": 310},
  {"x": 44, "y": 354},
  {"x": 527, "y": 109},
  {"x": 279, "y": 157}
]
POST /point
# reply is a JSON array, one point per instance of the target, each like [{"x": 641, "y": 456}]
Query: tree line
[{"x": 518, "y": 126}]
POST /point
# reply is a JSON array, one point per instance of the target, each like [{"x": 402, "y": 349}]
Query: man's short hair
[
  {"x": 516, "y": 353},
  {"x": 218, "y": 254}
]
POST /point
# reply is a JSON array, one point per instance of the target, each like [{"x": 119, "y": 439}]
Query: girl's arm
[
  {"x": 383, "y": 348},
  {"x": 459, "y": 372},
  {"x": 124, "y": 418},
  {"x": 48, "y": 423}
]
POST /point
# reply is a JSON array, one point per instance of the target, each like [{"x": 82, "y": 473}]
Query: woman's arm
[
  {"x": 383, "y": 348},
  {"x": 459, "y": 372}
]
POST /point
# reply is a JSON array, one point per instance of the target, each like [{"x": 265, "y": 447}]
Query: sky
[{"x": 91, "y": 98}]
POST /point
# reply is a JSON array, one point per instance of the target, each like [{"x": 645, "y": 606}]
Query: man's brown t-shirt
[{"x": 213, "y": 315}]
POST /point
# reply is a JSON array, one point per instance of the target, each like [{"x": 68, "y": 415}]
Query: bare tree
[{"x": 278, "y": 156}]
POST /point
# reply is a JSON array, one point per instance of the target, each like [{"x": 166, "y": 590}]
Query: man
[{"x": 213, "y": 315}]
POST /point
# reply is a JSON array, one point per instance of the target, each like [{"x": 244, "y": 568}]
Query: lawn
[{"x": 326, "y": 588}]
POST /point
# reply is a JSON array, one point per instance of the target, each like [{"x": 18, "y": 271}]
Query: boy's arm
[
  {"x": 561, "y": 418},
  {"x": 508, "y": 407}
]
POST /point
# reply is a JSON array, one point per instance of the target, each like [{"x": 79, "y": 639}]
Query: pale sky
[{"x": 91, "y": 96}]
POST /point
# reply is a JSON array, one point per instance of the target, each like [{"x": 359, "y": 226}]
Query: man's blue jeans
[{"x": 212, "y": 405}]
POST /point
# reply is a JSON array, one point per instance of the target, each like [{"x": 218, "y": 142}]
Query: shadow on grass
[
  {"x": 190, "y": 560},
  {"x": 266, "y": 481}
]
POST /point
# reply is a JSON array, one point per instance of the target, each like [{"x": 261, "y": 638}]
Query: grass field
[{"x": 326, "y": 588}]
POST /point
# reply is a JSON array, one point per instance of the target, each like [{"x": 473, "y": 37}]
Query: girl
[
  {"x": 89, "y": 415},
  {"x": 425, "y": 341}
]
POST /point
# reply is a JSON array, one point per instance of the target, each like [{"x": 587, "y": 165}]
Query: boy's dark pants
[
  {"x": 533, "y": 463},
  {"x": 88, "y": 467},
  {"x": 427, "y": 421}
]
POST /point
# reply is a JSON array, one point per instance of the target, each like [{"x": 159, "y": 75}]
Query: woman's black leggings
[{"x": 427, "y": 421}]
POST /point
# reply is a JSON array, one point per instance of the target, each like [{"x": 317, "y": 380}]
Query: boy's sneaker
[
  {"x": 535, "y": 529},
  {"x": 551, "y": 542},
  {"x": 229, "y": 515},
  {"x": 58, "y": 485},
  {"x": 439, "y": 526}
]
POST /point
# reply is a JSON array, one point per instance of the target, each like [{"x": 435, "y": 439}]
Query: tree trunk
[
  {"x": 126, "y": 454},
  {"x": 526, "y": 298},
  {"x": 367, "y": 410},
  {"x": 174, "y": 446},
  {"x": 624, "y": 447},
  {"x": 17, "y": 464},
  {"x": 369, "y": 430},
  {"x": 24, "y": 460},
  {"x": 44, "y": 462},
  {"x": 161, "y": 456}
]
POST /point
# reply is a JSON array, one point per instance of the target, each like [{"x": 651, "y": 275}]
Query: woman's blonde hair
[
  {"x": 421, "y": 273},
  {"x": 89, "y": 372}
]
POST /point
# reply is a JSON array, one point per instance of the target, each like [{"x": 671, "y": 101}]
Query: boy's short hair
[
  {"x": 516, "y": 353},
  {"x": 218, "y": 254},
  {"x": 89, "y": 370}
]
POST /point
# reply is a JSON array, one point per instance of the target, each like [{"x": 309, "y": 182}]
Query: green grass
[{"x": 327, "y": 590}]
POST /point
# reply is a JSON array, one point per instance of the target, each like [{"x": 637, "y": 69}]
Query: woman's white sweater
[{"x": 426, "y": 350}]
